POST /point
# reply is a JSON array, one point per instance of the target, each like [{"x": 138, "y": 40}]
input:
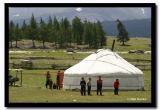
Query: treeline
[{"x": 62, "y": 33}]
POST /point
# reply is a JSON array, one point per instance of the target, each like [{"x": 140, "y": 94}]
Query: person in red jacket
[
  {"x": 116, "y": 87},
  {"x": 58, "y": 80},
  {"x": 99, "y": 86}
]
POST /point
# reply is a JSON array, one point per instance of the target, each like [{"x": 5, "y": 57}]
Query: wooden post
[{"x": 113, "y": 45}]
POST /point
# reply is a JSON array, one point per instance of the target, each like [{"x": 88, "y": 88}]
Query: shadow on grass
[{"x": 125, "y": 45}]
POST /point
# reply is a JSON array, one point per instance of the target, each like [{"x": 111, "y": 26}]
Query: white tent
[{"x": 110, "y": 66}]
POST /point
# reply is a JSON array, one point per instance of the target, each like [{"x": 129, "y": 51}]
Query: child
[
  {"x": 99, "y": 86},
  {"x": 116, "y": 87},
  {"x": 89, "y": 86},
  {"x": 83, "y": 86}
]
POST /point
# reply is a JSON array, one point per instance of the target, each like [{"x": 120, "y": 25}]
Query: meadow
[{"x": 33, "y": 89}]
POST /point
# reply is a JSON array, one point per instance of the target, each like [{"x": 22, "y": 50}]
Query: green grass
[
  {"x": 33, "y": 90},
  {"x": 65, "y": 56},
  {"x": 136, "y": 56},
  {"x": 56, "y": 55},
  {"x": 133, "y": 44},
  {"x": 62, "y": 59},
  {"x": 37, "y": 95}
]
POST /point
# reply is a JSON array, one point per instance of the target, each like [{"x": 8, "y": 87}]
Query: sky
[{"x": 91, "y": 13}]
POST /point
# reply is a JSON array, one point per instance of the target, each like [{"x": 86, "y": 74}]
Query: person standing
[
  {"x": 99, "y": 86},
  {"x": 83, "y": 86},
  {"x": 48, "y": 78},
  {"x": 89, "y": 86},
  {"x": 58, "y": 80},
  {"x": 116, "y": 86}
]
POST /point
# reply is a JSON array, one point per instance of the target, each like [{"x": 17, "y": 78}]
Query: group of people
[
  {"x": 83, "y": 84},
  {"x": 99, "y": 86},
  {"x": 49, "y": 81}
]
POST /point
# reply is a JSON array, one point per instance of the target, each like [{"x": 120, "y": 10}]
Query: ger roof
[{"x": 103, "y": 62}]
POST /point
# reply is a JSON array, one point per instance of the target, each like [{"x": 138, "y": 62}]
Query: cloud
[
  {"x": 79, "y": 9},
  {"x": 16, "y": 15}
]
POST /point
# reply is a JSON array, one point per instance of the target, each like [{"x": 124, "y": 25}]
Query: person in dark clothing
[
  {"x": 89, "y": 86},
  {"x": 83, "y": 86},
  {"x": 116, "y": 87},
  {"x": 99, "y": 86},
  {"x": 48, "y": 78}
]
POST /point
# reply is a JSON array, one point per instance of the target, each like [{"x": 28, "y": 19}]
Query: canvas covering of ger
[{"x": 107, "y": 64}]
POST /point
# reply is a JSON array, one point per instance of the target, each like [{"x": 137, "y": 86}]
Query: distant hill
[{"x": 135, "y": 28}]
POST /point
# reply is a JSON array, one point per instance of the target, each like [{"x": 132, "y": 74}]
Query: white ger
[{"x": 110, "y": 66}]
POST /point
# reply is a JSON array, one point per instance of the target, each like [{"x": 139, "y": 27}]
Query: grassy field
[
  {"x": 62, "y": 59},
  {"x": 33, "y": 89},
  {"x": 132, "y": 44}
]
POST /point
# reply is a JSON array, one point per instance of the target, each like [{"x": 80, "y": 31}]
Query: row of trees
[{"x": 62, "y": 33}]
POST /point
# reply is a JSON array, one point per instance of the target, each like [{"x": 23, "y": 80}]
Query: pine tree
[
  {"x": 61, "y": 34},
  {"x": 85, "y": 32},
  {"x": 90, "y": 35},
  {"x": 122, "y": 33},
  {"x": 24, "y": 30},
  {"x": 43, "y": 33},
  {"x": 50, "y": 30},
  {"x": 77, "y": 29},
  {"x": 101, "y": 34},
  {"x": 33, "y": 30},
  {"x": 67, "y": 31},
  {"x": 56, "y": 31},
  {"x": 96, "y": 36}
]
